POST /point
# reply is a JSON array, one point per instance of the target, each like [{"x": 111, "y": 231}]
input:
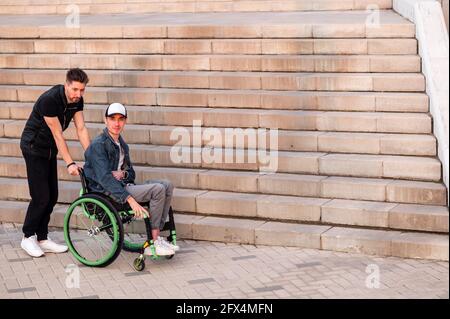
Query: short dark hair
[{"x": 77, "y": 75}]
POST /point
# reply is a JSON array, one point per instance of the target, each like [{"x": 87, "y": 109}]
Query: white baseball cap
[{"x": 116, "y": 108}]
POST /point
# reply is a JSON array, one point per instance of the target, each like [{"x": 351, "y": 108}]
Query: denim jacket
[{"x": 102, "y": 157}]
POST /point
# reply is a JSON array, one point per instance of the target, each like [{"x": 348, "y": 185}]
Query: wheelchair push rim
[{"x": 93, "y": 231}]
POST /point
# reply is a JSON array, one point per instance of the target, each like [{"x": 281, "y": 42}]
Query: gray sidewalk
[{"x": 216, "y": 270}]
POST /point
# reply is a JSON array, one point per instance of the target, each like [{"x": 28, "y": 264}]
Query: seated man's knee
[
  {"x": 169, "y": 187},
  {"x": 160, "y": 190}
]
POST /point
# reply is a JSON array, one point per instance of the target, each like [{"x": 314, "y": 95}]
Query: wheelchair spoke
[
  {"x": 97, "y": 230},
  {"x": 95, "y": 234},
  {"x": 87, "y": 227},
  {"x": 104, "y": 215},
  {"x": 100, "y": 243}
]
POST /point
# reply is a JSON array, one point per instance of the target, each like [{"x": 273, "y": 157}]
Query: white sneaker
[
  {"x": 168, "y": 244},
  {"x": 31, "y": 246},
  {"x": 160, "y": 249},
  {"x": 49, "y": 246}
]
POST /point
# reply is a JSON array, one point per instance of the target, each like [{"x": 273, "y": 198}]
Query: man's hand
[
  {"x": 73, "y": 169},
  {"x": 119, "y": 175},
  {"x": 139, "y": 211}
]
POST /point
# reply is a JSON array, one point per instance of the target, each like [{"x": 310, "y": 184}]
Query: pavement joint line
[
  {"x": 188, "y": 251},
  {"x": 15, "y": 260},
  {"x": 135, "y": 274},
  {"x": 267, "y": 289},
  {"x": 310, "y": 264},
  {"x": 243, "y": 257},
  {"x": 88, "y": 297},
  {"x": 201, "y": 281},
  {"x": 11, "y": 291}
]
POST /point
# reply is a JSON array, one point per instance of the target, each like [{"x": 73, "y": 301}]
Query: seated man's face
[{"x": 115, "y": 123}]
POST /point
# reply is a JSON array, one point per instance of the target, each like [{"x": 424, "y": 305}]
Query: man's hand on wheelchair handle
[
  {"x": 74, "y": 169},
  {"x": 139, "y": 211}
]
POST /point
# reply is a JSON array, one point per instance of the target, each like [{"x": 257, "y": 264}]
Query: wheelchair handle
[{"x": 83, "y": 179}]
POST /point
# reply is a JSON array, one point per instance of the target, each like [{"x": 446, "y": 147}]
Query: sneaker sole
[
  {"x": 54, "y": 252},
  {"x": 165, "y": 254},
  {"x": 158, "y": 255},
  {"x": 33, "y": 255}
]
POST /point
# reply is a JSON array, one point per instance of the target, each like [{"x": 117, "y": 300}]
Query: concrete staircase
[{"x": 357, "y": 166}]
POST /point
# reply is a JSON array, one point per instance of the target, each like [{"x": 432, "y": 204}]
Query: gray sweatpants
[{"x": 159, "y": 195}]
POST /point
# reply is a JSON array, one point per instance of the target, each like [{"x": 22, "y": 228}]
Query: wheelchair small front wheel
[
  {"x": 93, "y": 231},
  {"x": 139, "y": 264}
]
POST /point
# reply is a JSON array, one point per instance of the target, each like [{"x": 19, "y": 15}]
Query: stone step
[
  {"x": 158, "y": 6},
  {"x": 306, "y": 141},
  {"x": 365, "y": 122},
  {"x": 365, "y": 82},
  {"x": 260, "y": 232},
  {"x": 311, "y": 163},
  {"x": 248, "y": 119},
  {"x": 264, "y": 63},
  {"x": 328, "y": 187},
  {"x": 277, "y": 208},
  {"x": 325, "y": 24},
  {"x": 390, "y": 46},
  {"x": 248, "y": 99},
  {"x": 379, "y": 242}
]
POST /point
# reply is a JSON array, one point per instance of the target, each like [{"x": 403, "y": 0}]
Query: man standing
[{"x": 41, "y": 140}]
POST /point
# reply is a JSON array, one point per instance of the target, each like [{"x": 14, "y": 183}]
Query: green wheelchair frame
[{"x": 102, "y": 220}]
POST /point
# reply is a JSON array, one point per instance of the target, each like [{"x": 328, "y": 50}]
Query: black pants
[{"x": 43, "y": 185}]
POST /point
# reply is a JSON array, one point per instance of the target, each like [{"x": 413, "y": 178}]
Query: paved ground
[{"x": 216, "y": 270}]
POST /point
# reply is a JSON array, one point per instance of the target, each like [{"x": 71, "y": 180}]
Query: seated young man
[{"x": 108, "y": 170}]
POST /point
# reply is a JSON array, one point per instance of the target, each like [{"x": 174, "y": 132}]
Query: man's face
[
  {"x": 74, "y": 91},
  {"x": 115, "y": 123}
]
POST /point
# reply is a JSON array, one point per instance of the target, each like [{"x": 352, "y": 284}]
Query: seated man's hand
[
  {"x": 119, "y": 175},
  {"x": 139, "y": 211}
]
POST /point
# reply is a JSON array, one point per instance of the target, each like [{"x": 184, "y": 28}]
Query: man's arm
[
  {"x": 56, "y": 129},
  {"x": 82, "y": 131}
]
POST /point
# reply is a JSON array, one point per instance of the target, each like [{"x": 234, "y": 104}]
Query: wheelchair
[{"x": 95, "y": 230}]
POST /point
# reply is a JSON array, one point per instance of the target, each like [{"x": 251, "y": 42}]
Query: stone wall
[
  {"x": 433, "y": 49},
  {"x": 445, "y": 10}
]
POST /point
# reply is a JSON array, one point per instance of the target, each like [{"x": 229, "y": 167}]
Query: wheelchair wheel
[
  {"x": 139, "y": 264},
  {"x": 93, "y": 231}
]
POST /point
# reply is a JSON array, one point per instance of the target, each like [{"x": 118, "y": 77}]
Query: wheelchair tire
[
  {"x": 139, "y": 264},
  {"x": 92, "y": 225}
]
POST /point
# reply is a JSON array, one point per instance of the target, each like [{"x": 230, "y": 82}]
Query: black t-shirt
[{"x": 37, "y": 138}]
